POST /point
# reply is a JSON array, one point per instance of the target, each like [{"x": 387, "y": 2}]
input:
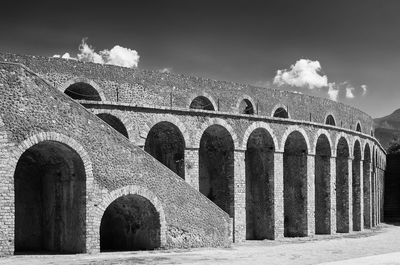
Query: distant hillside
[{"x": 387, "y": 129}]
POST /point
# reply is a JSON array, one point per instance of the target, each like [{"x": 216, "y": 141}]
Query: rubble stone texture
[{"x": 103, "y": 158}]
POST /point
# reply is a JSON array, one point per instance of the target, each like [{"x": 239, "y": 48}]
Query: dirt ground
[{"x": 378, "y": 246}]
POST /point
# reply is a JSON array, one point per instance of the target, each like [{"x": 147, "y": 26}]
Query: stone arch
[
  {"x": 216, "y": 167},
  {"x": 259, "y": 174},
  {"x": 356, "y": 185},
  {"x": 338, "y": 137},
  {"x": 115, "y": 123},
  {"x": 83, "y": 80},
  {"x": 208, "y": 99},
  {"x": 112, "y": 196},
  {"x": 295, "y": 169},
  {"x": 123, "y": 118},
  {"x": 215, "y": 121},
  {"x": 285, "y": 113},
  {"x": 330, "y": 119},
  {"x": 71, "y": 157},
  {"x": 166, "y": 143},
  {"x": 367, "y": 185},
  {"x": 328, "y": 136},
  {"x": 358, "y": 127},
  {"x": 254, "y": 126},
  {"x": 322, "y": 170},
  {"x": 291, "y": 129},
  {"x": 342, "y": 185},
  {"x": 246, "y": 105},
  {"x": 144, "y": 131}
]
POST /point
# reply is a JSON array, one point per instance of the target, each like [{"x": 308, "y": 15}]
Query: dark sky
[{"x": 244, "y": 41}]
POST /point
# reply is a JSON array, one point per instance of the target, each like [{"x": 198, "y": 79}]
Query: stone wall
[{"x": 32, "y": 112}]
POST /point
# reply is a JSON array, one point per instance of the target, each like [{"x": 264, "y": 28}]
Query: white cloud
[
  {"x": 304, "y": 73},
  {"x": 166, "y": 70},
  {"x": 118, "y": 55},
  {"x": 349, "y": 92},
  {"x": 364, "y": 89},
  {"x": 333, "y": 91}
]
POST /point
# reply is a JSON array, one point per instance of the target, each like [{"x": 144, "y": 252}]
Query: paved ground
[{"x": 378, "y": 246}]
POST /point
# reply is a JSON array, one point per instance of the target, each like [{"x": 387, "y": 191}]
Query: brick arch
[
  {"x": 82, "y": 79},
  {"x": 317, "y": 135},
  {"x": 124, "y": 118},
  {"x": 202, "y": 94},
  {"x": 215, "y": 121},
  {"x": 257, "y": 125},
  {"x": 144, "y": 131},
  {"x": 354, "y": 139},
  {"x": 361, "y": 127},
  {"x": 334, "y": 118},
  {"x": 243, "y": 97},
  {"x": 74, "y": 145},
  {"x": 364, "y": 146},
  {"x": 291, "y": 129},
  {"x": 111, "y": 196},
  {"x": 280, "y": 105},
  {"x": 345, "y": 136}
]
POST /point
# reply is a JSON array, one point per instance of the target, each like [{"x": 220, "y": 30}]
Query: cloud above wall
[
  {"x": 118, "y": 55},
  {"x": 306, "y": 73}
]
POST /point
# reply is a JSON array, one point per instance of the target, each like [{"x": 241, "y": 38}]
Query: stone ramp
[{"x": 33, "y": 112}]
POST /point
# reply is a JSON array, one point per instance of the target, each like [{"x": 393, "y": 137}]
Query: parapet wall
[{"x": 151, "y": 88}]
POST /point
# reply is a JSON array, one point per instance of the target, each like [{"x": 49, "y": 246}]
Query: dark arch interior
[
  {"x": 114, "y": 122},
  {"x": 165, "y": 143},
  {"x": 50, "y": 190},
  {"x": 130, "y": 223},
  {"x": 216, "y": 166},
  {"x": 367, "y": 186},
  {"x": 259, "y": 185},
  {"x": 295, "y": 185},
  {"x": 281, "y": 113},
  {"x": 246, "y": 107},
  {"x": 358, "y": 128},
  {"x": 342, "y": 187},
  {"x": 201, "y": 102},
  {"x": 322, "y": 186},
  {"x": 356, "y": 185},
  {"x": 82, "y": 91},
  {"x": 330, "y": 120}
]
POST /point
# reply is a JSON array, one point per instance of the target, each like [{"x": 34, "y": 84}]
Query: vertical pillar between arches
[
  {"x": 367, "y": 198},
  {"x": 333, "y": 194},
  {"x": 192, "y": 167},
  {"x": 239, "y": 203},
  {"x": 278, "y": 196},
  {"x": 310, "y": 195},
  {"x": 350, "y": 198}
]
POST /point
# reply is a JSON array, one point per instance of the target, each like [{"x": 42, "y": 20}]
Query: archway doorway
[{"x": 50, "y": 204}]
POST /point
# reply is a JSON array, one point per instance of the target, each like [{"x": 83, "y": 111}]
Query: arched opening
[
  {"x": 323, "y": 186},
  {"x": 201, "y": 102},
  {"x": 82, "y": 91},
  {"x": 216, "y": 166},
  {"x": 342, "y": 187},
  {"x": 367, "y": 186},
  {"x": 356, "y": 184},
  {"x": 330, "y": 120},
  {"x": 246, "y": 107},
  {"x": 114, "y": 122},
  {"x": 165, "y": 143},
  {"x": 358, "y": 127},
  {"x": 259, "y": 185},
  {"x": 50, "y": 204},
  {"x": 129, "y": 223},
  {"x": 295, "y": 185},
  {"x": 281, "y": 113}
]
